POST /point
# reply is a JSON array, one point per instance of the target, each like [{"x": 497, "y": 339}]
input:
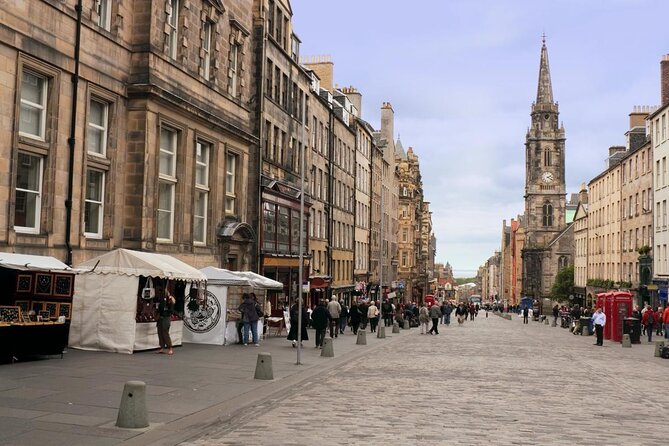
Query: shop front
[
  {"x": 35, "y": 307},
  {"x": 344, "y": 293},
  {"x": 285, "y": 271},
  {"x": 319, "y": 289}
]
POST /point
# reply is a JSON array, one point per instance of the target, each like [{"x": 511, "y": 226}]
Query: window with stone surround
[
  {"x": 33, "y": 114},
  {"x": 547, "y": 212},
  {"x": 201, "y": 201},
  {"x": 207, "y": 29},
  {"x": 103, "y": 10},
  {"x": 172, "y": 28},
  {"x": 96, "y": 132},
  {"x": 94, "y": 203},
  {"x": 236, "y": 62},
  {"x": 166, "y": 184},
  {"x": 27, "y": 209},
  {"x": 231, "y": 167}
]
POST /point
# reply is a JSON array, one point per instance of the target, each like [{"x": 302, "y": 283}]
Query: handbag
[{"x": 148, "y": 292}]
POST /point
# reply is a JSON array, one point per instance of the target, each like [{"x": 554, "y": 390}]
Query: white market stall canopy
[
  {"x": 31, "y": 262},
  {"x": 220, "y": 276},
  {"x": 137, "y": 263}
]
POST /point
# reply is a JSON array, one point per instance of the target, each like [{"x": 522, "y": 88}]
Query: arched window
[
  {"x": 562, "y": 262},
  {"x": 547, "y": 157},
  {"x": 548, "y": 214}
]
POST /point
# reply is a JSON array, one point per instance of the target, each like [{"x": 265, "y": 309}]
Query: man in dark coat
[
  {"x": 294, "y": 313},
  {"x": 320, "y": 319},
  {"x": 354, "y": 315}
]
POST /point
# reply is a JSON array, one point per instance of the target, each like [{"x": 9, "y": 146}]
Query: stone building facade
[
  {"x": 281, "y": 112},
  {"x": 657, "y": 123},
  {"x": 335, "y": 111},
  {"x": 147, "y": 148},
  {"x": 410, "y": 222}
]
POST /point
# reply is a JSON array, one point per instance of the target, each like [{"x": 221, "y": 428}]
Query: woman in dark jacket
[
  {"x": 354, "y": 315},
  {"x": 320, "y": 319},
  {"x": 294, "y": 312}
]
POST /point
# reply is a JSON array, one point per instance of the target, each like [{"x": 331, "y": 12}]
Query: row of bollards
[{"x": 133, "y": 413}]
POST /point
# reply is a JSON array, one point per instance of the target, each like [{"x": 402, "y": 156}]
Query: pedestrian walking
[
  {"x": 343, "y": 318},
  {"x": 387, "y": 311},
  {"x": 250, "y": 312},
  {"x": 435, "y": 315},
  {"x": 460, "y": 314},
  {"x": 526, "y": 315},
  {"x": 320, "y": 319},
  {"x": 164, "y": 320},
  {"x": 556, "y": 313},
  {"x": 446, "y": 311},
  {"x": 648, "y": 321},
  {"x": 599, "y": 319},
  {"x": 363, "y": 307},
  {"x": 658, "y": 321},
  {"x": 665, "y": 321},
  {"x": 334, "y": 308},
  {"x": 372, "y": 316},
  {"x": 355, "y": 316},
  {"x": 294, "y": 319},
  {"x": 423, "y": 318}
]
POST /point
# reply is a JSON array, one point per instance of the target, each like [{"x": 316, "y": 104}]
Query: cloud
[{"x": 462, "y": 76}]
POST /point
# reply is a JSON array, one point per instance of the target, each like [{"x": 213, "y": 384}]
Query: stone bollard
[
  {"x": 407, "y": 326},
  {"x": 396, "y": 327},
  {"x": 627, "y": 342},
  {"x": 381, "y": 332},
  {"x": 659, "y": 345},
  {"x": 132, "y": 413},
  {"x": 362, "y": 337},
  {"x": 264, "y": 366},
  {"x": 328, "y": 348}
]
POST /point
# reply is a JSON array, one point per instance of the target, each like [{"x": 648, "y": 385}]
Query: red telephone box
[
  {"x": 621, "y": 307},
  {"x": 608, "y": 311},
  {"x": 599, "y": 303}
]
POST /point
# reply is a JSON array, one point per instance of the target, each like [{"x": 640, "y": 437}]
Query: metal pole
[
  {"x": 301, "y": 267},
  {"x": 381, "y": 258}
]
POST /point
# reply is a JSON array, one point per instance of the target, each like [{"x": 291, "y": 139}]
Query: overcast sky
[{"x": 462, "y": 75}]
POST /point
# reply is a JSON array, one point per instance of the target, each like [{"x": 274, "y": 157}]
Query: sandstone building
[{"x": 127, "y": 127}]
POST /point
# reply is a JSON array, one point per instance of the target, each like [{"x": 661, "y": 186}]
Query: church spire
[{"x": 545, "y": 88}]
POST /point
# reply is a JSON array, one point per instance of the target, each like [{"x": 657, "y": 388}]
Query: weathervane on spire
[{"x": 543, "y": 38}]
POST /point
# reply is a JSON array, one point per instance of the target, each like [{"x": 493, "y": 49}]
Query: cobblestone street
[{"x": 491, "y": 381}]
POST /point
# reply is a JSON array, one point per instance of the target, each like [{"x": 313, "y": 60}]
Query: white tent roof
[
  {"x": 31, "y": 262},
  {"x": 219, "y": 276},
  {"x": 137, "y": 263},
  {"x": 262, "y": 282}
]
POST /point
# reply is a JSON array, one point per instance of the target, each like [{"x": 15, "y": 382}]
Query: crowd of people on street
[{"x": 336, "y": 317}]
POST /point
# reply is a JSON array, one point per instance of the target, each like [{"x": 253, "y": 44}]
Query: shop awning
[
  {"x": 31, "y": 262},
  {"x": 138, "y": 263}
]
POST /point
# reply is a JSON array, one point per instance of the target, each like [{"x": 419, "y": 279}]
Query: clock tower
[
  {"x": 545, "y": 195},
  {"x": 545, "y": 192}
]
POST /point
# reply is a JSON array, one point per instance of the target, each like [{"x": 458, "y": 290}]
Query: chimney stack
[
  {"x": 388, "y": 122},
  {"x": 664, "y": 80},
  {"x": 324, "y": 69}
]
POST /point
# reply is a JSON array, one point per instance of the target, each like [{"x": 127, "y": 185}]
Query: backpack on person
[{"x": 651, "y": 318}]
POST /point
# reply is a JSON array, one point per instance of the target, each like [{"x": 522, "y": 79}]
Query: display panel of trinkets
[{"x": 14, "y": 315}]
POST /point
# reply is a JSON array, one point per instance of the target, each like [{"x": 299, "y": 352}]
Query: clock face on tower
[{"x": 547, "y": 177}]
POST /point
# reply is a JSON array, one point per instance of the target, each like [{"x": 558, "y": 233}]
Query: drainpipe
[
  {"x": 71, "y": 140},
  {"x": 261, "y": 36}
]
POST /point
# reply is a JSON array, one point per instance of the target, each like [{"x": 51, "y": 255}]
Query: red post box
[
  {"x": 621, "y": 307},
  {"x": 608, "y": 311}
]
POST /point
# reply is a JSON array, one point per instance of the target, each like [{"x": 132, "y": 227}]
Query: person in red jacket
[
  {"x": 665, "y": 321},
  {"x": 658, "y": 321},
  {"x": 649, "y": 321}
]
